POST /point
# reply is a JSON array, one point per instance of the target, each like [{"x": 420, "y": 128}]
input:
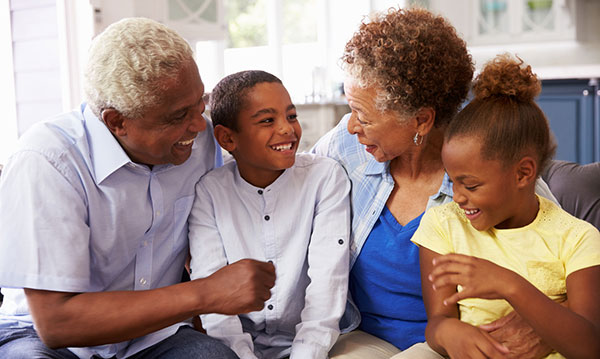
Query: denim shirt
[{"x": 372, "y": 184}]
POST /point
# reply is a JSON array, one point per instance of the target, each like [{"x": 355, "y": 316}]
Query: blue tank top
[{"x": 385, "y": 283}]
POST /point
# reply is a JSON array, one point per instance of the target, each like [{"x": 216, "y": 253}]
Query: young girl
[{"x": 499, "y": 247}]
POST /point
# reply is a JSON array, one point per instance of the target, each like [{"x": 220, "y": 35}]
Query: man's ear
[
  {"x": 115, "y": 121},
  {"x": 226, "y": 137},
  {"x": 425, "y": 120},
  {"x": 526, "y": 170}
]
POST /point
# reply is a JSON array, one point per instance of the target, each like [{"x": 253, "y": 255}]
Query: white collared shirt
[
  {"x": 77, "y": 215},
  {"x": 301, "y": 223}
]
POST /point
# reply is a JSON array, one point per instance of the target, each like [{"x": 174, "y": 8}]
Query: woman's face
[{"x": 386, "y": 135}]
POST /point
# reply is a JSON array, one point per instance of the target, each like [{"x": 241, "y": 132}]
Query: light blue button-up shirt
[
  {"x": 300, "y": 223},
  {"x": 77, "y": 215}
]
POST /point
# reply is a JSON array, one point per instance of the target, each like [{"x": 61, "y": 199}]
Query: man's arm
[{"x": 88, "y": 319}]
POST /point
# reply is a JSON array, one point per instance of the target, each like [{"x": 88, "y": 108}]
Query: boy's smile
[{"x": 268, "y": 134}]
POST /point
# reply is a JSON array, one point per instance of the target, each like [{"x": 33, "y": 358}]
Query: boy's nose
[{"x": 285, "y": 128}]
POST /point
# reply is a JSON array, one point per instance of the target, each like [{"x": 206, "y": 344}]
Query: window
[{"x": 300, "y": 41}]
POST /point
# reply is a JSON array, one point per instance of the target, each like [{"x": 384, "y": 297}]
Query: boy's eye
[
  {"x": 293, "y": 117},
  {"x": 267, "y": 120}
]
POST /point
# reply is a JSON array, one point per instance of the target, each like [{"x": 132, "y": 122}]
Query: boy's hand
[
  {"x": 241, "y": 287},
  {"x": 478, "y": 277},
  {"x": 469, "y": 342}
]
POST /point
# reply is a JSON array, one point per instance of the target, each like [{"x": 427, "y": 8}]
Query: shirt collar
[
  {"x": 275, "y": 186},
  {"x": 105, "y": 151},
  {"x": 445, "y": 188},
  {"x": 374, "y": 167}
]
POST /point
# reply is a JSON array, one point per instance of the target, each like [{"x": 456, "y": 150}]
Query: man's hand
[
  {"x": 241, "y": 287},
  {"x": 518, "y": 337}
]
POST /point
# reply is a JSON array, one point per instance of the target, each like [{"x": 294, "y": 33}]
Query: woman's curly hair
[
  {"x": 413, "y": 59},
  {"x": 504, "y": 116}
]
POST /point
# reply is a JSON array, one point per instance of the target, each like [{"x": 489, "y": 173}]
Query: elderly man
[{"x": 93, "y": 211}]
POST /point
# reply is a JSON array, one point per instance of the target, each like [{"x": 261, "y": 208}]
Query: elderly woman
[{"x": 408, "y": 73}]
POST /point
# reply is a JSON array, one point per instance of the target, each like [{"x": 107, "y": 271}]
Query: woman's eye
[{"x": 471, "y": 188}]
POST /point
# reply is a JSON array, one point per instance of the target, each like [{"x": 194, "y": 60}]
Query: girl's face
[
  {"x": 487, "y": 190},
  {"x": 268, "y": 134},
  {"x": 385, "y": 135}
]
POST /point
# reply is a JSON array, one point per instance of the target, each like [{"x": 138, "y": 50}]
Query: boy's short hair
[{"x": 228, "y": 97}]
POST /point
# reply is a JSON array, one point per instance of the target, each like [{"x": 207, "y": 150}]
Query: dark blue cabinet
[{"x": 572, "y": 108}]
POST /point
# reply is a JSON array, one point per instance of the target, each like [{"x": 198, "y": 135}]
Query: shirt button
[
  {"x": 142, "y": 281},
  {"x": 341, "y": 241},
  {"x": 158, "y": 213},
  {"x": 270, "y": 307},
  {"x": 145, "y": 243},
  {"x": 260, "y": 191},
  {"x": 267, "y": 217}
]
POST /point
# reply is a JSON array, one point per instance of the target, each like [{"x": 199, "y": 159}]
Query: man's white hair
[{"x": 128, "y": 64}]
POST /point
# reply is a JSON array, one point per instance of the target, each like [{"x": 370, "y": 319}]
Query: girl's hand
[
  {"x": 478, "y": 277},
  {"x": 469, "y": 342}
]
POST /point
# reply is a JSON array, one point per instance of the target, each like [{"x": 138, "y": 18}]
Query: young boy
[{"x": 274, "y": 205}]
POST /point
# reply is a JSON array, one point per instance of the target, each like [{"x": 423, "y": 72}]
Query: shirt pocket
[
  {"x": 181, "y": 212},
  {"x": 548, "y": 277}
]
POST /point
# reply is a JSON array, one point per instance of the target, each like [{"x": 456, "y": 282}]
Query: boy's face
[
  {"x": 268, "y": 134},
  {"x": 487, "y": 190}
]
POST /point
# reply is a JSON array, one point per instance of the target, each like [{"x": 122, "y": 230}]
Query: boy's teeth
[
  {"x": 471, "y": 211},
  {"x": 282, "y": 147}
]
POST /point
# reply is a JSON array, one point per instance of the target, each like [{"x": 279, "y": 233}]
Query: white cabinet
[
  {"x": 492, "y": 22},
  {"x": 498, "y": 21},
  {"x": 195, "y": 20}
]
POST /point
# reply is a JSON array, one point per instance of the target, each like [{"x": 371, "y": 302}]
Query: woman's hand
[
  {"x": 518, "y": 336},
  {"x": 479, "y": 278},
  {"x": 468, "y": 342}
]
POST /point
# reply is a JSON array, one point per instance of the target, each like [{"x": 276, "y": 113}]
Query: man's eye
[{"x": 180, "y": 117}]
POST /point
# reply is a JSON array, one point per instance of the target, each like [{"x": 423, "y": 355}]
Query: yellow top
[{"x": 544, "y": 252}]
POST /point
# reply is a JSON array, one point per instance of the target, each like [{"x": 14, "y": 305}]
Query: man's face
[{"x": 166, "y": 132}]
